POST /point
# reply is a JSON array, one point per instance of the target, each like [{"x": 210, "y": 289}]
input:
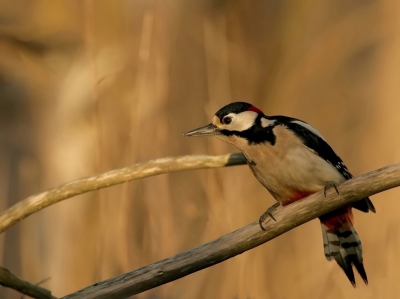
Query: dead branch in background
[
  {"x": 42, "y": 200},
  {"x": 7, "y": 279},
  {"x": 243, "y": 239}
]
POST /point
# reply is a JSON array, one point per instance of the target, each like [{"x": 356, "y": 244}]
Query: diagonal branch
[
  {"x": 42, "y": 200},
  {"x": 7, "y": 279},
  {"x": 248, "y": 237}
]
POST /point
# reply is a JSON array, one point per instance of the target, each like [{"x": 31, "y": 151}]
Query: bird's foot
[
  {"x": 268, "y": 213},
  {"x": 328, "y": 185}
]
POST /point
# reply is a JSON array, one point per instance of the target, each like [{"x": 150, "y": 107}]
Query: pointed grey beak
[{"x": 207, "y": 130}]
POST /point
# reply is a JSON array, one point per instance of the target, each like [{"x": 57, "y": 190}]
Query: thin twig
[
  {"x": 7, "y": 279},
  {"x": 248, "y": 237},
  {"x": 42, "y": 200}
]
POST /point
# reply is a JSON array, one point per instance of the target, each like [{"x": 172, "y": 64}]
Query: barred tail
[{"x": 342, "y": 243}]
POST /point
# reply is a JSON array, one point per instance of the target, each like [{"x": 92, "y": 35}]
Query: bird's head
[{"x": 235, "y": 123}]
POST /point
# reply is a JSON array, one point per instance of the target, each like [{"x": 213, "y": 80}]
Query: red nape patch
[
  {"x": 255, "y": 109},
  {"x": 296, "y": 196},
  {"x": 336, "y": 219}
]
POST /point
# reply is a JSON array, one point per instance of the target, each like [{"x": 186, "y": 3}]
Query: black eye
[{"x": 227, "y": 120}]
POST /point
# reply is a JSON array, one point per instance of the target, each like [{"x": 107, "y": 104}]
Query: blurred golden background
[{"x": 90, "y": 86}]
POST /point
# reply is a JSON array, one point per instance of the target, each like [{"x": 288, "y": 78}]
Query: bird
[{"x": 292, "y": 160}]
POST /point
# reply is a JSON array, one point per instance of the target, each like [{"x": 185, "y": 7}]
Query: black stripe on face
[{"x": 256, "y": 134}]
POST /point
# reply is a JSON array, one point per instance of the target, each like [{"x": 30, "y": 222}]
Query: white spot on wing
[{"x": 308, "y": 127}]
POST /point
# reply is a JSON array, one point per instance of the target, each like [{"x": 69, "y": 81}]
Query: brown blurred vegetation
[{"x": 89, "y": 86}]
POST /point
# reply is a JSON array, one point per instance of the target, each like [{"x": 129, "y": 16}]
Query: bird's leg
[
  {"x": 268, "y": 213},
  {"x": 328, "y": 185}
]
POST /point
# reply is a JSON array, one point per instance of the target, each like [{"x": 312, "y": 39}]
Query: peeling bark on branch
[
  {"x": 42, "y": 200},
  {"x": 248, "y": 237}
]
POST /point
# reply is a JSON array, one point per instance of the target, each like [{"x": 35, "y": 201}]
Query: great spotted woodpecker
[{"x": 292, "y": 160}]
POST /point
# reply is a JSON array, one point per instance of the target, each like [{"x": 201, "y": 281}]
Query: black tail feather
[
  {"x": 364, "y": 205},
  {"x": 360, "y": 268}
]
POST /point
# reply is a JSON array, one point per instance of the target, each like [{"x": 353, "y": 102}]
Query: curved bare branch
[{"x": 42, "y": 200}]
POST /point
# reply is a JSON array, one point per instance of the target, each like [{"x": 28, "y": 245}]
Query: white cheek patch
[
  {"x": 242, "y": 121},
  {"x": 266, "y": 122},
  {"x": 308, "y": 127}
]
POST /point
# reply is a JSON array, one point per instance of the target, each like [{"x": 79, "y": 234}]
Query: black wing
[{"x": 316, "y": 142}]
